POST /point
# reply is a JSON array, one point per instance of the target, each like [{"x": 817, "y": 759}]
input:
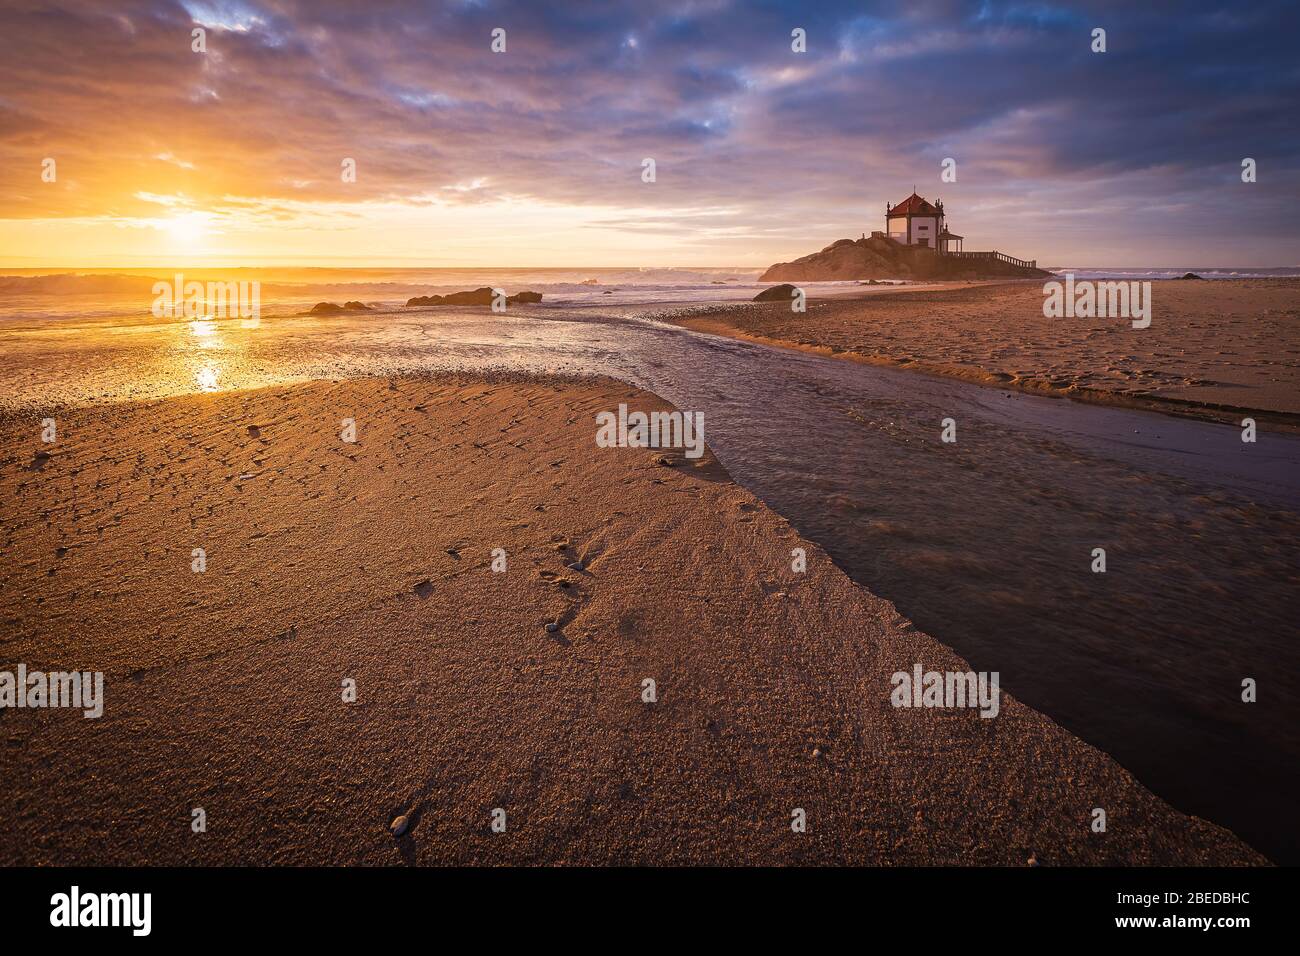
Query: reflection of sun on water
[
  {"x": 203, "y": 328},
  {"x": 207, "y": 378}
]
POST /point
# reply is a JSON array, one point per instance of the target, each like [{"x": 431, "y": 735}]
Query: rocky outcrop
[
  {"x": 333, "y": 308},
  {"x": 880, "y": 257},
  {"x": 778, "y": 293},
  {"x": 480, "y": 296}
]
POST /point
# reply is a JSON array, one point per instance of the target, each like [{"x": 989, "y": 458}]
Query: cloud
[{"x": 790, "y": 144}]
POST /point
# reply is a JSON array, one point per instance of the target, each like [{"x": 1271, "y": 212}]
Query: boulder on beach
[
  {"x": 480, "y": 296},
  {"x": 333, "y": 308},
  {"x": 1193, "y": 275},
  {"x": 778, "y": 293}
]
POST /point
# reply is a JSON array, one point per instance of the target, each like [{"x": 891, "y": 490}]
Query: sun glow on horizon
[
  {"x": 187, "y": 230},
  {"x": 426, "y": 230}
]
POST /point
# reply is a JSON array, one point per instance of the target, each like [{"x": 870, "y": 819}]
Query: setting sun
[{"x": 187, "y": 231}]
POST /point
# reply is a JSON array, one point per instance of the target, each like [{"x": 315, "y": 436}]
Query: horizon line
[{"x": 568, "y": 268}]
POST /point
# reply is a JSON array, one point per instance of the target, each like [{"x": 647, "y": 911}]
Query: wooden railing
[{"x": 1001, "y": 256}]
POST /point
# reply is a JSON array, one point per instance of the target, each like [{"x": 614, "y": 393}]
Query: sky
[{"x": 535, "y": 156}]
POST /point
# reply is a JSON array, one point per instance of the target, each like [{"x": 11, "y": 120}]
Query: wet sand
[
  {"x": 371, "y": 561},
  {"x": 1214, "y": 349}
]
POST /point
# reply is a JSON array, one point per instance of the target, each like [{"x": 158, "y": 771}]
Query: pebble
[
  {"x": 551, "y": 627},
  {"x": 398, "y": 826}
]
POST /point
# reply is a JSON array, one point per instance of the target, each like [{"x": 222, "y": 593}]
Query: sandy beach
[
  {"x": 1214, "y": 349},
  {"x": 329, "y": 561}
]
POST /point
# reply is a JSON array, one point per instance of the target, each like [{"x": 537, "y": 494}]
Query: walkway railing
[{"x": 1001, "y": 256}]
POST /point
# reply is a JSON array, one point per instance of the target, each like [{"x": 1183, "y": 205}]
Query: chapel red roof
[{"x": 915, "y": 205}]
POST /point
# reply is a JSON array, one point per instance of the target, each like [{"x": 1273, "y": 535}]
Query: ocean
[{"x": 127, "y": 293}]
